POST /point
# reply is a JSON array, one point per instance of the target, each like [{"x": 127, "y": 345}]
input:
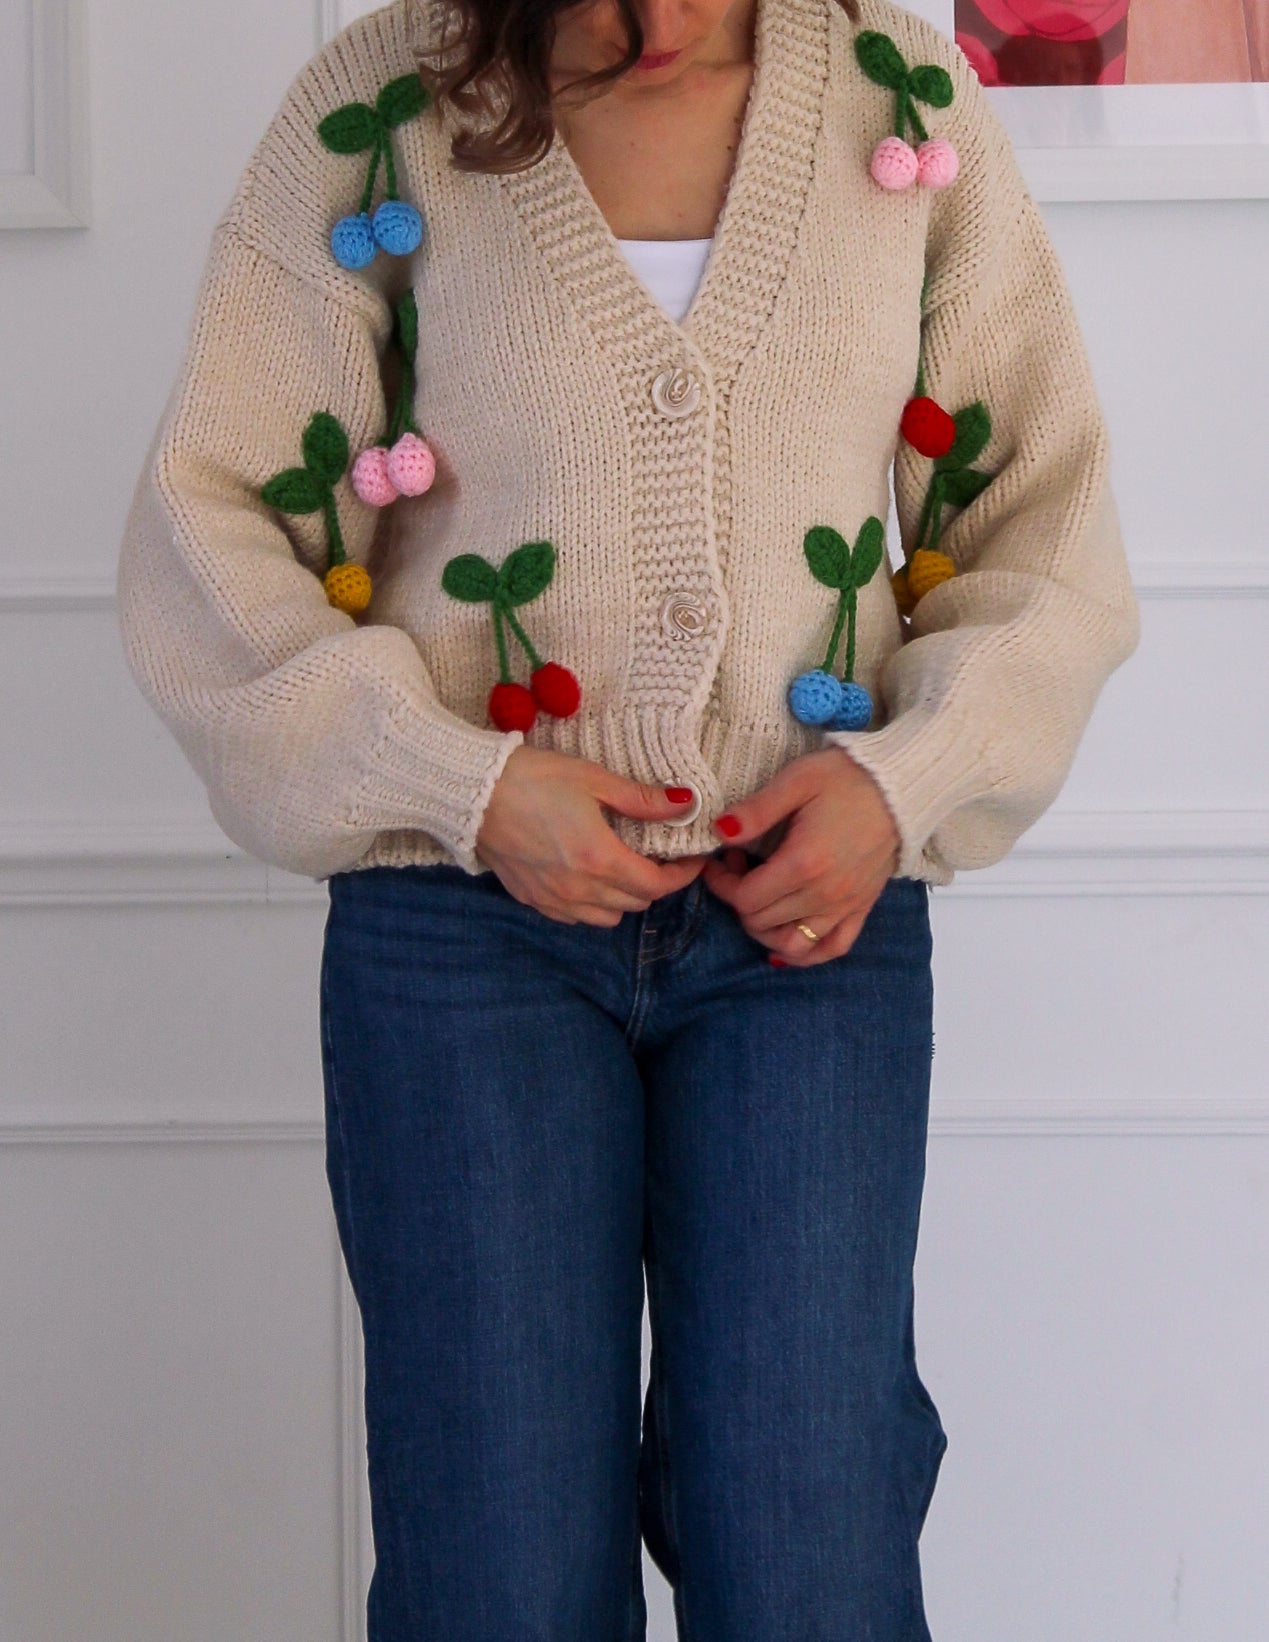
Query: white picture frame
[
  {"x": 1132, "y": 142},
  {"x": 51, "y": 189}
]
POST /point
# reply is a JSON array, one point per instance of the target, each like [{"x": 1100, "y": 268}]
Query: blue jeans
[{"x": 522, "y": 1118}]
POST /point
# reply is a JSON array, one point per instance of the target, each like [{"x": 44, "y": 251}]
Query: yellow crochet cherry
[
  {"x": 926, "y": 569},
  {"x": 902, "y": 592},
  {"x": 348, "y": 587}
]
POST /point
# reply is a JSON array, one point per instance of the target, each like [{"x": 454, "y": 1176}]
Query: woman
[{"x": 630, "y": 784}]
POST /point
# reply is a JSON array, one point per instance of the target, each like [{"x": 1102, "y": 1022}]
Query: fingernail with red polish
[
  {"x": 679, "y": 795},
  {"x": 728, "y": 825},
  {"x": 777, "y": 963}
]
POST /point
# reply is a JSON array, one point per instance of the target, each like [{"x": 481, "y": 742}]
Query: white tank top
[{"x": 670, "y": 269}]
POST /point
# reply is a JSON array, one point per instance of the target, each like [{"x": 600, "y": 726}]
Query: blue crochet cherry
[
  {"x": 855, "y": 711},
  {"x": 352, "y": 240},
  {"x": 396, "y": 226},
  {"x": 817, "y": 697}
]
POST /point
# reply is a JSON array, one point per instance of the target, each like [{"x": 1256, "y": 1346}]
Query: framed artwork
[
  {"x": 1124, "y": 99},
  {"x": 43, "y": 115}
]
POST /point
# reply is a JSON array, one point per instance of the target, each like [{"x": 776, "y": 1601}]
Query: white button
[
  {"x": 683, "y": 615},
  {"x": 676, "y": 392},
  {"x": 690, "y": 811}
]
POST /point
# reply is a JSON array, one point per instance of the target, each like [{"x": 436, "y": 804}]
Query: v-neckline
[{"x": 756, "y": 228}]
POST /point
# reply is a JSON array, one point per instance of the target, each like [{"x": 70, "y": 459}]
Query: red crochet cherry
[
  {"x": 555, "y": 689},
  {"x": 511, "y": 707},
  {"x": 927, "y": 427}
]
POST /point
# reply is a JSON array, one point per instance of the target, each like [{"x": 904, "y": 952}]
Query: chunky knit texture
[{"x": 675, "y": 467}]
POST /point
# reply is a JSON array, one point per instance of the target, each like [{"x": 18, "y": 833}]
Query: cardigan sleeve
[
  {"x": 988, "y": 697},
  {"x": 310, "y": 732}
]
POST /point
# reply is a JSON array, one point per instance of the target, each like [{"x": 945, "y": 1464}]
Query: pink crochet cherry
[
  {"x": 370, "y": 477},
  {"x": 411, "y": 467},
  {"x": 938, "y": 163},
  {"x": 894, "y": 163}
]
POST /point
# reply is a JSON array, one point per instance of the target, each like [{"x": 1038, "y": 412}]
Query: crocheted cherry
[
  {"x": 555, "y": 690},
  {"x": 903, "y": 596},
  {"x": 816, "y": 697},
  {"x": 938, "y": 164},
  {"x": 953, "y": 479},
  {"x": 895, "y": 164},
  {"x": 855, "y": 711},
  {"x": 411, "y": 467},
  {"x": 401, "y": 463},
  {"x": 927, "y": 427},
  {"x": 522, "y": 575},
  {"x": 396, "y": 226},
  {"x": 370, "y": 477},
  {"x": 311, "y": 489},
  {"x": 352, "y": 240},
  {"x": 926, "y": 569},
  {"x": 512, "y": 707}
]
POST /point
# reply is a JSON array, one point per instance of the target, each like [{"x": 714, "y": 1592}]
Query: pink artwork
[
  {"x": 1043, "y": 42},
  {"x": 1114, "y": 42}
]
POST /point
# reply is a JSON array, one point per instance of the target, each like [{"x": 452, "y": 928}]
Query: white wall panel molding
[
  {"x": 1103, "y": 1114},
  {"x": 333, "y": 15},
  {"x": 55, "y": 192},
  {"x": 75, "y": 591},
  {"x": 188, "y": 861}
]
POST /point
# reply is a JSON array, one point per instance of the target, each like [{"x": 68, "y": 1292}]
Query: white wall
[{"x": 180, "y": 1436}]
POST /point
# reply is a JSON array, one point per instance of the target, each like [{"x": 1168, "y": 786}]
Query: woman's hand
[
  {"x": 544, "y": 834},
  {"x": 836, "y": 856}
]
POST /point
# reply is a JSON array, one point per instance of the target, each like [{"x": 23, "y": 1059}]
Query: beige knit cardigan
[{"x": 682, "y": 599}]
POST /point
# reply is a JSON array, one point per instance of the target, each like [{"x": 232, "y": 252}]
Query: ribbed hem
[
  {"x": 926, "y": 765},
  {"x": 435, "y": 773}
]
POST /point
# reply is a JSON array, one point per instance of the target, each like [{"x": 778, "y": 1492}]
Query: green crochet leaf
[
  {"x": 868, "y": 552},
  {"x": 325, "y": 447},
  {"x": 295, "y": 490},
  {"x": 962, "y": 485},
  {"x": 400, "y": 100},
  {"x": 828, "y": 554},
  {"x": 471, "y": 578},
  {"x": 880, "y": 59},
  {"x": 973, "y": 430},
  {"x": 931, "y": 84},
  {"x": 408, "y": 325},
  {"x": 526, "y": 572},
  {"x": 351, "y": 129}
]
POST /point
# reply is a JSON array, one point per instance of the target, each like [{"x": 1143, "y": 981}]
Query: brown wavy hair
[{"x": 492, "y": 60}]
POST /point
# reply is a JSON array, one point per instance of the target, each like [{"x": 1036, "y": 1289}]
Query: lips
[{"x": 656, "y": 59}]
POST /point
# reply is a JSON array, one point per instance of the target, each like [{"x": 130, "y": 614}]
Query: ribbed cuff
[
  {"x": 434, "y": 772},
  {"x": 926, "y": 765}
]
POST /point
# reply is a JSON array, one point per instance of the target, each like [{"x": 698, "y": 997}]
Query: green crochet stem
[
  {"x": 504, "y": 666},
  {"x": 390, "y": 165},
  {"x": 846, "y": 605},
  {"x": 370, "y": 180},
  {"x": 918, "y": 391},
  {"x": 931, "y": 513},
  {"x": 383, "y": 147},
  {"x": 520, "y": 633},
  {"x": 402, "y": 419},
  {"x": 337, "y": 554},
  {"x": 905, "y": 110}
]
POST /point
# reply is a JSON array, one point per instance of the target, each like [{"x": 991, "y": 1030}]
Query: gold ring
[{"x": 809, "y": 933}]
